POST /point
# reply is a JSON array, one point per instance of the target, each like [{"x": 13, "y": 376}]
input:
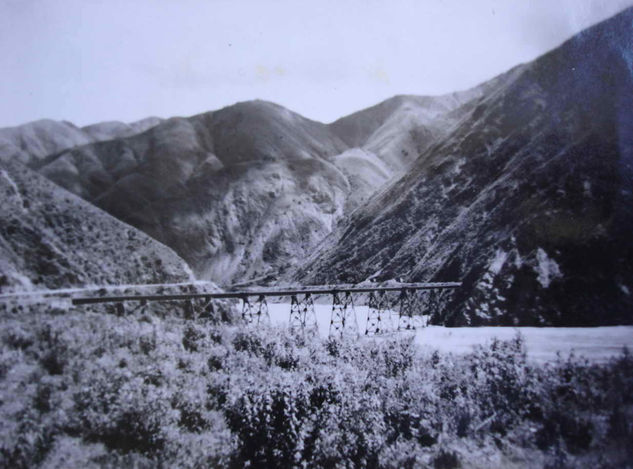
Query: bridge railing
[{"x": 382, "y": 301}]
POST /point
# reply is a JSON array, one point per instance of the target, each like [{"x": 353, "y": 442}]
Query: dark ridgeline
[{"x": 527, "y": 201}]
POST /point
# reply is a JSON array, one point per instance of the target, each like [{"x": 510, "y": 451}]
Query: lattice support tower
[
  {"x": 437, "y": 299},
  {"x": 247, "y": 310},
  {"x": 408, "y": 307},
  {"x": 262, "y": 310},
  {"x": 199, "y": 308},
  {"x": 302, "y": 314},
  {"x": 343, "y": 319},
  {"x": 376, "y": 312},
  {"x": 426, "y": 302},
  {"x": 205, "y": 307},
  {"x": 190, "y": 310},
  {"x": 254, "y": 313}
]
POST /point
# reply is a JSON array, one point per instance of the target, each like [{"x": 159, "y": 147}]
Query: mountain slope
[
  {"x": 528, "y": 200},
  {"x": 399, "y": 129},
  {"x": 394, "y": 129},
  {"x": 249, "y": 190},
  {"x": 50, "y": 238},
  {"x": 240, "y": 192}
]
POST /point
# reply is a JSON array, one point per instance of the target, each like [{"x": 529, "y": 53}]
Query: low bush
[
  {"x": 193, "y": 337},
  {"x": 216, "y": 359},
  {"x": 127, "y": 414},
  {"x": 248, "y": 341},
  {"x": 446, "y": 460}
]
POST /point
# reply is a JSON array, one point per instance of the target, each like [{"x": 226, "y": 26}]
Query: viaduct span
[{"x": 408, "y": 300}]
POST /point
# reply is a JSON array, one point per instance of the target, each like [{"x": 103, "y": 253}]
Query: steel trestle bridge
[{"x": 411, "y": 300}]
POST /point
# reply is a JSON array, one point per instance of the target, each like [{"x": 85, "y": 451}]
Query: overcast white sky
[{"x": 88, "y": 61}]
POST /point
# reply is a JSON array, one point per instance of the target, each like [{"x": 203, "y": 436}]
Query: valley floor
[{"x": 543, "y": 344}]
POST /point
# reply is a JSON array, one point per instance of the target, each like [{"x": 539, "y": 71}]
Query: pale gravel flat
[{"x": 596, "y": 344}]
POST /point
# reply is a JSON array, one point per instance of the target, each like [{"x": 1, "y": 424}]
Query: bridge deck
[{"x": 313, "y": 290}]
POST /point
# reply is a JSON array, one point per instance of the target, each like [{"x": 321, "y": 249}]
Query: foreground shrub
[
  {"x": 269, "y": 424},
  {"x": 124, "y": 414},
  {"x": 248, "y": 341},
  {"x": 192, "y": 337},
  {"x": 25, "y": 442}
]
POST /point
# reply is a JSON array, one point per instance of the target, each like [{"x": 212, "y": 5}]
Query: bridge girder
[{"x": 413, "y": 299}]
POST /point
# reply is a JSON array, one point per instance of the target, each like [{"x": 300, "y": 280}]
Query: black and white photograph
[{"x": 316, "y": 234}]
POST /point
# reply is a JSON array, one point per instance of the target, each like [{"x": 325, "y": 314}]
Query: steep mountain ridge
[
  {"x": 390, "y": 128},
  {"x": 50, "y": 238},
  {"x": 114, "y": 129},
  {"x": 527, "y": 200},
  {"x": 401, "y": 128}
]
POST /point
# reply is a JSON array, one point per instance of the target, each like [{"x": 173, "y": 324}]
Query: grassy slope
[{"x": 87, "y": 389}]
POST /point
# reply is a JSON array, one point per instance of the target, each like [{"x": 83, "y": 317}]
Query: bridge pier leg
[
  {"x": 407, "y": 305},
  {"x": 247, "y": 310},
  {"x": 340, "y": 320},
  {"x": 302, "y": 314},
  {"x": 375, "y": 313},
  {"x": 189, "y": 309},
  {"x": 296, "y": 318},
  {"x": 262, "y": 309}
]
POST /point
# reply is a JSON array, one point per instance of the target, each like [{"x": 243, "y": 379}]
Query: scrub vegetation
[{"x": 90, "y": 389}]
